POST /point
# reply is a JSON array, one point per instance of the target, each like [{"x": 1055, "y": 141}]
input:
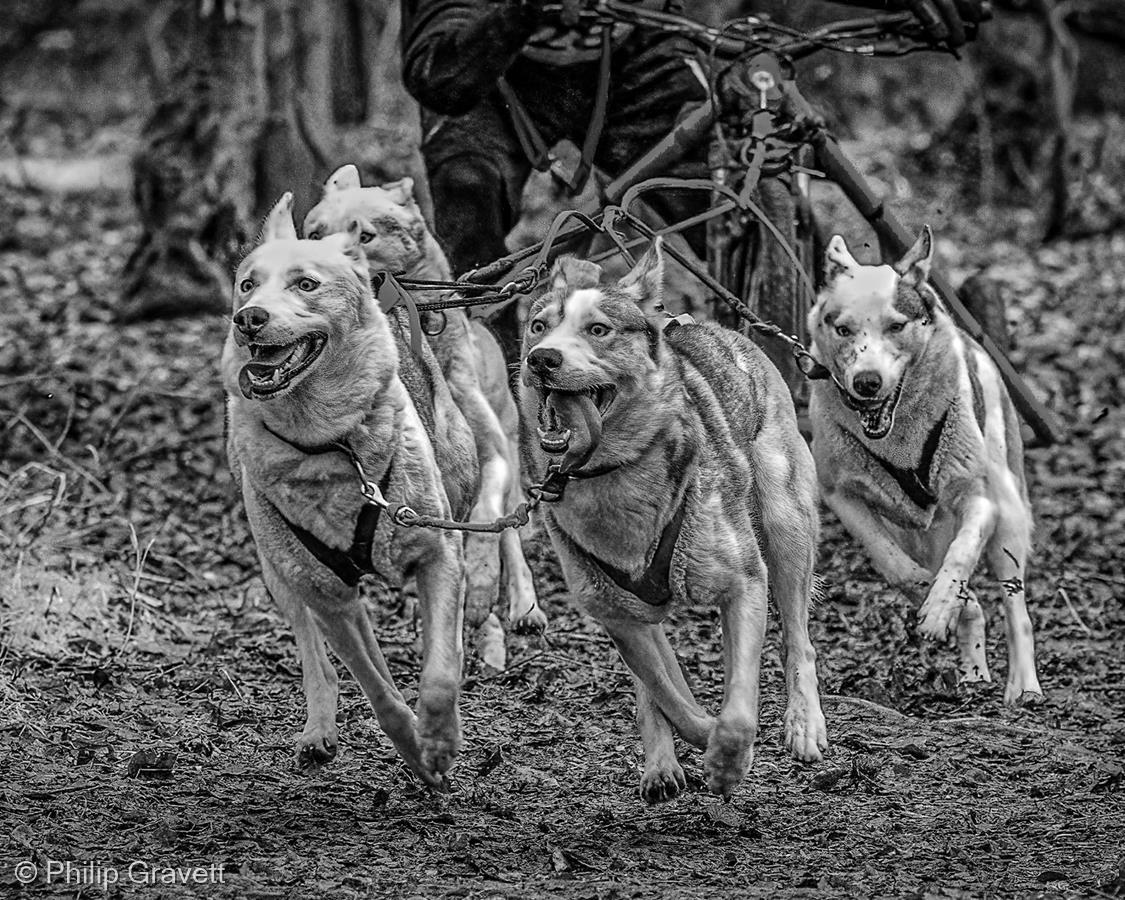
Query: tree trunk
[{"x": 194, "y": 177}]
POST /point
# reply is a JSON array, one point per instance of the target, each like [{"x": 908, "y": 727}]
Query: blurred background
[{"x": 207, "y": 110}]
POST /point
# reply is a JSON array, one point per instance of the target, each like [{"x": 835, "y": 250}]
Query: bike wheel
[{"x": 767, "y": 280}]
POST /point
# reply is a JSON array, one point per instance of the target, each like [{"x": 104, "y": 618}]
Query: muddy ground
[{"x": 149, "y": 695}]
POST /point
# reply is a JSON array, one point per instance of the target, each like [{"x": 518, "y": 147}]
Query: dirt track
[{"x": 131, "y": 620}]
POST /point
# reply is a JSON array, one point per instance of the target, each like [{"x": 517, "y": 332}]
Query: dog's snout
[
  {"x": 544, "y": 359},
  {"x": 867, "y": 383},
  {"x": 250, "y": 320}
]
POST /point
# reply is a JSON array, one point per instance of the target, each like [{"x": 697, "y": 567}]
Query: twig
[
  {"x": 42, "y": 438},
  {"x": 1077, "y": 618},
  {"x": 869, "y": 704},
  {"x": 138, "y": 571},
  {"x": 523, "y": 662}
]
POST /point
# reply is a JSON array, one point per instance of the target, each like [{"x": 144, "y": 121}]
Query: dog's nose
[
  {"x": 867, "y": 384},
  {"x": 543, "y": 359},
  {"x": 250, "y": 320}
]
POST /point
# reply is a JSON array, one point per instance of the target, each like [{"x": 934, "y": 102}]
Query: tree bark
[{"x": 194, "y": 177}]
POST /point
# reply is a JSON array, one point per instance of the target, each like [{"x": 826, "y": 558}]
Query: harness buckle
[{"x": 551, "y": 488}]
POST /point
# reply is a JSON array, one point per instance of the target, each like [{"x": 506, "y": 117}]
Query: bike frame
[{"x": 829, "y": 159}]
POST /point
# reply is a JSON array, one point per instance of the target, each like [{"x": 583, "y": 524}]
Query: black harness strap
[
  {"x": 352, "y": 564},
  {"x": 915, "y": 483},
  {"x": 653, "y": 585}
]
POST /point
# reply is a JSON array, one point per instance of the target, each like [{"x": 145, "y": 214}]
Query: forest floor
[{"x": 150, "y": 695}]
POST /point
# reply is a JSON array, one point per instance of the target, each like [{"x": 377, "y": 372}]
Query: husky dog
[
  {"x": 318, "y": 386},
  {"x": 396, "y": 239},
  {"x": 918, "y": 450},
  {"x": 688, "y": 483}
]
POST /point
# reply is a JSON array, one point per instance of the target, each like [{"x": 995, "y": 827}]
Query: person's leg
[
  {"x": 652, "y": 84},
  {"x": 477, "y": 173}
]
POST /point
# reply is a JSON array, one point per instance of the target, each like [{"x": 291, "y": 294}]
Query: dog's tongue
[{"x": 571, "y": 424}]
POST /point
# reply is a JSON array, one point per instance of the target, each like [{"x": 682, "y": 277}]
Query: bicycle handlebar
[{"x": 885, "y": 34}]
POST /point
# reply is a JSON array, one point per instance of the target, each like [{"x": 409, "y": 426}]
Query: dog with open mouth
[
  {"x": 919, "y": 451},
  {"x": 687, "y": 481},
  {"x": 326, "y": 402},
  {"x": 396, "y": 239}
]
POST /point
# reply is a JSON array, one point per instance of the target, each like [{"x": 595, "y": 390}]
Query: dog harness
[
  {"x": 653, "y": 585},
  {"x": 915, "y": 483},
  {"x": 352, "y": 564}
]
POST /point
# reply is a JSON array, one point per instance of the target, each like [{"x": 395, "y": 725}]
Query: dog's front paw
[
  {"x": 806, "y": 734},
  {"x": 941, "y": 611},
  {"x": 439, "y": 739},
  {"x": 662, "y": 781},
  {"x": 534, "y": 621},
  {"x": 317, "y": 745},
  {"x": 1023, "y": 690},
  {"x": 730, "y": 751}
]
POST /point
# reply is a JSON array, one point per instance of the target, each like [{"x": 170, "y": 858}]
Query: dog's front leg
[
  {"x": 893, "y": 563},
  {"x": 1007, "y": 556},
  {"x": 663, "y": 777},
  {"x": 441, "y": 592},
  {"x": 730, "y": 751},
  {"x": 651, "y": 659},
  {"x": 318, "y": 742},
  {"x": 949, "y": 593},
  {"x": 344, "y": 622}
]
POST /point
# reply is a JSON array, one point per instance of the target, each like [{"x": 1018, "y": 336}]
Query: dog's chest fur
[
  {"x": 697, "y": 459},
  {"x": 934, "y": 453}
]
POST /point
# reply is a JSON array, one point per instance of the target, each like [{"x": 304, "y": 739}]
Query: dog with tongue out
[{"x": 687, "y": 482}]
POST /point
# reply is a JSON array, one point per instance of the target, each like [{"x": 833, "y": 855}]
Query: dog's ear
[
  {"x": 279, "y": 222},
  {"x": 345, "y": 178},
  {"x": 838, "y": 260},
  {"x": 645, "y": 283},
  {"x": 401, "y": 191},
  {"x": 914, "y": 267},
  {"x": 573, "y": 274}
]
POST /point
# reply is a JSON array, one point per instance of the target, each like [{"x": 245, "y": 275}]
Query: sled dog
[
  {"x": 321, "y": 383},
  {"x": 396, "y": 239},
  {"x": 688, "y": 483},
  {"x": 918, "y": 450}
]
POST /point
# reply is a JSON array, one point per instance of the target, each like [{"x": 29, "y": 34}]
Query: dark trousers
[{"x": 477, "y": 168}]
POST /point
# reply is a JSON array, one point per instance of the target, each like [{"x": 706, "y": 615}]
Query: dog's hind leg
[
  {"x": 482, "y": 560},
  {"x": 649, "y": 656},
  {"x": 1007, "y": 557},
  {"x": 786, "y": 500},
  {"x": 525, "y": 615},
  {"x": 663, "y": 777},
  {"x": 319, "y": 741}
]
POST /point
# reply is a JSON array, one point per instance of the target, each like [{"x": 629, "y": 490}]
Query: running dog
[
  {"x": 686, "y": 481},
  {"x": 396, "y": 239},
  {"x": 321, "y": 384},
  {"x": 918, "y": 450}
]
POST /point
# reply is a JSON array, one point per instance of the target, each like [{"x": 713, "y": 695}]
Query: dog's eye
[
  {"x": 843, "y": 331},
  {"x": 307, "y": 285},
  {"x": 246, "y": 285},
  {"x": 896, "y": 327},
  {"x": 537, "y": 326},
  {"x": 599, "y": 330},
  {"x": 366, "y": 238},
  {"x": 315, "y": 235}
]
